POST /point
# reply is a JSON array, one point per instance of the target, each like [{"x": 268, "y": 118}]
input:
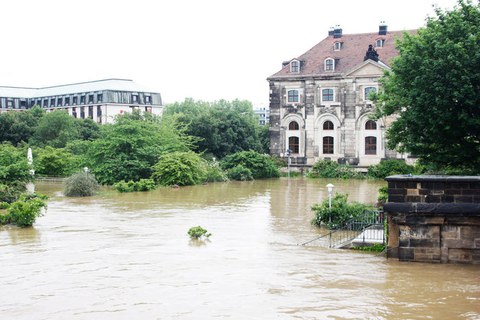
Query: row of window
[
  {"x": 329, "y": 63},
  {"x": 328, "y": 145},
  {"x": 327, "y": 94},
  {"x": 338, "y": 45},
  {"x": 68, "y": 100},
  {"x": 328, "y": 125}
]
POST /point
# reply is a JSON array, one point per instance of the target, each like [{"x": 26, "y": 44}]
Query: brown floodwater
[{"x": 128, "y": 256}]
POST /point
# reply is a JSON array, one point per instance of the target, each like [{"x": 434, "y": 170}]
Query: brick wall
[{"x": 434, "y": 218}]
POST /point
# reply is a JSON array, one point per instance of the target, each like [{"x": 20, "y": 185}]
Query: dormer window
[
  {"x": 337, "y": 46},
  {"x": 329, "y": 64},
  {"x": 379, "y": 43},
  {"x": 295, "y": 66}
]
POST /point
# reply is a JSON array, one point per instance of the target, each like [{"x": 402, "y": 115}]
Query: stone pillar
[{"x": 434, "y": 218}]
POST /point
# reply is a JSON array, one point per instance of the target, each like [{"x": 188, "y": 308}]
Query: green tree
[
  {"x": 224, "y": 127},
  {"x": 87, "y": 129},
  {"x": 129, "y": 148},
  {"x": 55, "y": 129},
  {"x": 180, "y": 168},
  {"x": 434, "y": 88},
  {"x": 14, "y": 172},
  {"x": 17, "y": 127},
  {"x": 57, "y": 162},
  {"x": 260, "y": 165}
]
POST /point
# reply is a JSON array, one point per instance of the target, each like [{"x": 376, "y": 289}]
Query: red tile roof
[{"x": 354, "y": 47}]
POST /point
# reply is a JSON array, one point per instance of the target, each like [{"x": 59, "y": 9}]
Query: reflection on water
[{"x": 123, "y": 256}]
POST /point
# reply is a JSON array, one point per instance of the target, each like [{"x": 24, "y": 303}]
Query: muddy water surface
[{"x": 127, "y": 256}]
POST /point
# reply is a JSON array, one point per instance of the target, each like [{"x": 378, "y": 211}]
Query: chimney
[
  {"x": 337, "y": 32},
  {"x": 382, "y": 28},
  {"x": 330, "y": 32}
]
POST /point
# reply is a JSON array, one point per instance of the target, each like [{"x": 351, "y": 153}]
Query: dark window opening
[
  {"x": 328, "y": 145},
  {"x": 293, "y": 144},
  {"x": 370, "y": 125},
  {"x": 293, "y": 125},
  {"x": 370, "y": 145},
  {"x": 328, "y": 125}
]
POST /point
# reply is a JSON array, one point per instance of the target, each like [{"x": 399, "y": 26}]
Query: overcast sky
[{"x": 203, "y": 49}]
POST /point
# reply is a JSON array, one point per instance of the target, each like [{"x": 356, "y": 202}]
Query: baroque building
[
  {"x": 99, "y": 100},
  {"x": 319, "y": 101}
]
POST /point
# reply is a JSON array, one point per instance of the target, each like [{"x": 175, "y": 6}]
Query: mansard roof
[
  {"x": 351, "y": 54},
  {"x": 81, "y": 87}
]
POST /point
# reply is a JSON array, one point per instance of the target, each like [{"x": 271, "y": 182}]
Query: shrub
[
  {"x": 389, "y": 167},
  {"x": 340, "y": 212},
  {"x": 382, "y": 196},
  {"x": 131, "y": 186},
  {"x": 25, "y": 210},
  {"x": 81, "y": 184},
  {"x": 214, "y": 173},
  {"x": 331, "y": 169},
  {"x": 240, "y": 173},
  {"x": 261, "y": 165},
  {"x": 55, "y": 162},
  {"x": 179, "y": 168},
  {"x": 198, "y": 232},
  {"x": 10, "y": 192}
]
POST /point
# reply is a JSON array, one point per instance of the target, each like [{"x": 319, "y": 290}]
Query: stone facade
[
  {"x": 434, "y": 219},
  {"x": 319, "y": 102}
]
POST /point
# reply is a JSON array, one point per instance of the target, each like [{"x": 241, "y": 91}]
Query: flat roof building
[{"x": 99, "y": 100}]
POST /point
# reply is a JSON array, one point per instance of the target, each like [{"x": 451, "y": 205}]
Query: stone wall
[{"x": 434, "y": 218}]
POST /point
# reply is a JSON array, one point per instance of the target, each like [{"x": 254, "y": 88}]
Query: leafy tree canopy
[
  {"x": 224, "y": 127},
  {"x": 260, "y": 165},
  {"x": 55, "y": 129},
  {"x": 129, "y": 148},
  {"x": 17, "y": 127},
  {"x": 434, "y": 88}
]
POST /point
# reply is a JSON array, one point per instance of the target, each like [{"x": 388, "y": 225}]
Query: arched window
[
  {"x": 293, "y": 144},
  {"x": 328, "y": 125},
  {"x": 370, "y": 125},
  {"x": 327, "y": 145},
  {"x": 370, "y": 145},
  {"x": 293, "y": 125},
  {"x": 294, "y": 66}
]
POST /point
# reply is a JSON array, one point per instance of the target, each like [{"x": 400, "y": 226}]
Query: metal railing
[{"x": 367, "y": 228}]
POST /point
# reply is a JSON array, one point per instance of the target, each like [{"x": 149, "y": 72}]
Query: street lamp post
[
  {"x": 330, "y": 191},
  {"x": 288, "y": 163}
]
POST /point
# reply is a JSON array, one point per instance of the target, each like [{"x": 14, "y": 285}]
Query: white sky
[{"x": 203, "y": 49}]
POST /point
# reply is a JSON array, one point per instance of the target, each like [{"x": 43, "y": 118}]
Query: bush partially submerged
[
  {"x": 331, "y": 169},
  {"x": 340, "y": 212},
  {"x": 24, "y": 211},
  {"x": 198, "y": 232},
  {"x": 179, "y": 168},
  {"x": 390, "y": 167},
  {"x": 81, "y": 184},
  {"x": 261, "y": 166},
  {"x": 131, "y": 186}
]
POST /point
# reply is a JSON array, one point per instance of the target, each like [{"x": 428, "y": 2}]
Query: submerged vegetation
[
  {"x": 198, "y": 232},
  {"x": 339, "y": 212},
  {"x": 81, "y": 184}
]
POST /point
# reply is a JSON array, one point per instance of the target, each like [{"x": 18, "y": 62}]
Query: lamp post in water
[
  {"x": 288, "y": 152},
  {"x": 330, "y": 191}
]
